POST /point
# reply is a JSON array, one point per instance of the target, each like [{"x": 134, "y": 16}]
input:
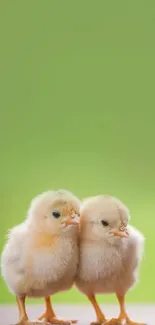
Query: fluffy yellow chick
[
  {"x": 41, "y": 255},
  {"x": 110, "y": 254}
]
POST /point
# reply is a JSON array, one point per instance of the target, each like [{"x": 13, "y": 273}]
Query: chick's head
[
  {"x": 104, "y": 217},
  {"x": 55, "y": 212}
]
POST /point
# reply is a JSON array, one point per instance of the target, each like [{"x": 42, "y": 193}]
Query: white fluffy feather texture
[
  {"x": 107, "y": 264},
  {"x": 40, "y": 204},
  {"x": 39, "y": 271}
]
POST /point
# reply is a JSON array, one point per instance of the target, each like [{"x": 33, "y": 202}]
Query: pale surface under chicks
[
  {"x": 110, "y": 253},
  {"x": 40, "y": 257}
]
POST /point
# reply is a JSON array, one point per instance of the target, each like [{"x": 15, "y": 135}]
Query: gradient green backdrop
[{"x": 77, "y": 111}]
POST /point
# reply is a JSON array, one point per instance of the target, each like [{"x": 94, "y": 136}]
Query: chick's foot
[
  {"x": 115, "y": 321},
  {"x": 123, "y": 321},
  {"x": 99, "y": 322},
  {"x": 27, "y": 322},
  {"x": 59, "y": 321},
  {"x": 130, "y": 322},
  {"x": 49, "y": 315},
  {"x": 55, "y": 320}
]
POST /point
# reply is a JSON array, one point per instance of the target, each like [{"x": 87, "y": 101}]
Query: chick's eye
[
  {"x": 56, "y": 214},
  {"x": 105, "y": 223}
]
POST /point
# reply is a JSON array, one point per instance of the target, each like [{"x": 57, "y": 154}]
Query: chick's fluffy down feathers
[
  {"x": 109, "y": 269},
  {"x": 38, "y": 266},
  {"x": 107, "y": 264}
]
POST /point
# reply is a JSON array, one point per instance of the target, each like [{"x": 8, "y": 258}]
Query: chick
[
  {"x": 41, "y": 255},
  {"x": 110, "y": 254}
]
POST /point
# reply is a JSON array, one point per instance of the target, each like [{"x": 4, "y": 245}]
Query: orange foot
[
  {"x": 56, "y": 320},
  {"x": 27, "y": 322},
  {"x": 115, "y": 321},
  {"x": 130, "y": 322},
  {"x": 121, "y": 321},
  {"x": 101, "y": 322}
]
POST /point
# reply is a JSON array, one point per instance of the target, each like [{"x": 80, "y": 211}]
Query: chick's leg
[
  {"x": 123, "y": 314},
  {"x": 123, "y": 318},
  {"x": 50, "y": 315},
  {"x": 100, "y": 316},
  {"x": 22, "y": 311},
  {"x": 23, "y": 318}
]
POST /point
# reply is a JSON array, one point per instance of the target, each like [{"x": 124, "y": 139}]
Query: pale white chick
[
  {"x": 41, "y": 255},
  {"x": 110, "y": 253}
]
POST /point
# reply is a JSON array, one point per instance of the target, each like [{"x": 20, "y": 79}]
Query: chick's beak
[
  {"x": 73, "y": 220},
  {"x": 121, "y": 233}
]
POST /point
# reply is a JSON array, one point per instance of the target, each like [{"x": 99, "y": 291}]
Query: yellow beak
[
  {"x": 70, "y": 221},
  {"x": 121, "y": 234}
]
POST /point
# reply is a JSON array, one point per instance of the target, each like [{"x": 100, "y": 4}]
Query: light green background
[{"x": 77, "y": 111}]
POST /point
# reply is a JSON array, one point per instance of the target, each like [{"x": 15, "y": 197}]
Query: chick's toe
[
  {"x": 116, "y": 321},
  {"x": 22, "y": 322},
  {"x": 125, "y": 321},
  {"x": 98, "y": 323},
  {"x": 56, "y": 320},
  {"x": 130, "y": 322}
]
